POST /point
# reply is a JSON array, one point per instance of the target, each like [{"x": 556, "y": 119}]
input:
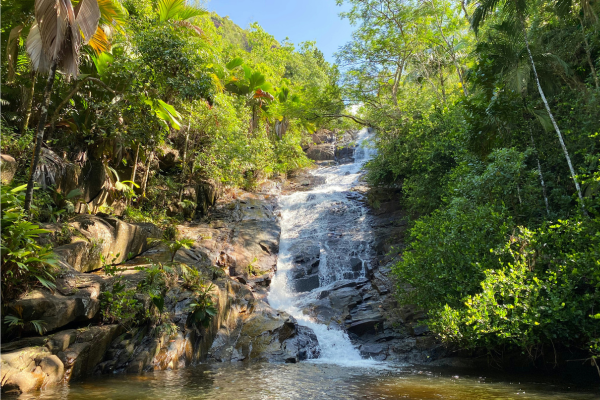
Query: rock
[
  {"x": 419, "y": 329},
  {"x": 80, "y": 359},
  {"x": 57, "y": 310},
  {"x": 344, "y": 298},
  {"x": 106, "y": 236},
  {"x": 306, "y": 284},
  {"x": 264, "y": 335},
  {"x": 375, "y": 351},
  {"x": 365, "y": 319},
  {"x": 356, "y": 264},
  {"x": 8, "y": 168},
  {"x": 321, "y": 152},
  {"x": 29, "y": 369},
  {"x": 207, "y": 194},
  {"x": 167, "y": 157}
]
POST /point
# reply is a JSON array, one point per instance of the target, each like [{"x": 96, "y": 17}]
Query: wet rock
[
  {"x": 306, "y": 284},
  {"x": 364, "y": 321},
  {"x": 356, "y": 264},
  {"x": 266, "y": 335},
  {"x": 375, "y": 351},
  {"x": 344, "y": 298}
]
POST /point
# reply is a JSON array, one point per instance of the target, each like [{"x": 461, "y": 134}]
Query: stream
[{"x": 330, "y": 223}]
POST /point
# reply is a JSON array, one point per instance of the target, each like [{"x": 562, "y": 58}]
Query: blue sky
[{"x": 300, "y": 20}]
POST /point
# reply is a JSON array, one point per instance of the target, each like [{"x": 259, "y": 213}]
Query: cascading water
[{"x": 330, "y": 217}]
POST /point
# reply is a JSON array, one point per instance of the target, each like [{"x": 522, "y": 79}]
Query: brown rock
[{"x": 8, "y": 168}]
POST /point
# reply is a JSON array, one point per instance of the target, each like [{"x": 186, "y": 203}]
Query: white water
[{"x": 328, "y": 217}]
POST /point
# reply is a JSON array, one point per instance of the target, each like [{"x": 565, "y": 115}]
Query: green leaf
[{"x": 236, "y": 62}]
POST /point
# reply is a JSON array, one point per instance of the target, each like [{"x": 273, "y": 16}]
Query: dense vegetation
[
  {"x": 487, "y": 116},
  {"x": 488, "y": 119},
  {"x": 120, "y": 88},
  {"x": 234, "y": 103}
]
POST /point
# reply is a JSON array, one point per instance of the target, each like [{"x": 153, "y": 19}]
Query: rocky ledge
[{"x": 240, "y": 237}]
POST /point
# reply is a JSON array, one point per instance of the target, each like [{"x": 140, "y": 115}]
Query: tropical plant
[
  {"x": 24, "y": 262},
  {"x": 16, "y": 322},
  {"x": 202, "y": 308},
  {"x": 516, "y": 12},
  {"x": 54, "y": 41}
]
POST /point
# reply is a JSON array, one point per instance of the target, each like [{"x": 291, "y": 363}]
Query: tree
[
  {"x": 518, "y": 10},
  {"x": 54, "y": 42}
]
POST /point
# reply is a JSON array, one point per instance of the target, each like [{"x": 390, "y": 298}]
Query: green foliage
[
  {"x": 202, "y": 308},
  {"x": 24, "y": 262},
  {"x": 16, "y": 322},
  {"x": 500, "y": 253},
  {"x": 546, "y": 293}
]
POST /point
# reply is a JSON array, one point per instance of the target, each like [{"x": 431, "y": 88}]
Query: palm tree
[
  {"x": 54, "y": 42},
  {"x": 516, "y": 10}
]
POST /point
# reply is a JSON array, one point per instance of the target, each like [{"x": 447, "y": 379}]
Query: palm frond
[
  {"x": 99, "y": 42},
  {"x": 12, "y": 51},
  {"x": 177, "y": 10},
  {"x": 112, "y": 13},
  {"x": 87, "y": 15},
  {"x": 35, "y": 49}
]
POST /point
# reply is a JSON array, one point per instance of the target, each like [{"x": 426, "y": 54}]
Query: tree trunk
[
  {"x": 460, "y": 76},
  {"x": 40, "y": 134},
  {"x": 537, "y": 157},
  {"x": 442, "y": 81},
  {"x": 184, "y": 158},
  {"x": 397, "y": 77},
  {"x": 589, "y": 56},
  {"x": 135, "y": 163},
  {"x": 29, "y": 106},
  {"x": 547, "y": 106},
  {"x": 145, "y": 180}
]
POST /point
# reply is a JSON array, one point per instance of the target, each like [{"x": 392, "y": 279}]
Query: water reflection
[{"x": 310, "y": 381}]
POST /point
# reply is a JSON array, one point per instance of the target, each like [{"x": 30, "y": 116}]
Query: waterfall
[{"x": 331, "y": 217}]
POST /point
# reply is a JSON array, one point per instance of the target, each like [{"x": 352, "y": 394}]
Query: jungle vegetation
[
  {"x": 486, "y": 113},
  {"x": 487, "y": 116}
]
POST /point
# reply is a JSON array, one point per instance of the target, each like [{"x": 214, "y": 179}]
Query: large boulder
[
  {"x": 57, "y": 310},
  {"x": 35, "y": 363},
  {"x": 321, "y": 152},
  {"x": 29, "y": 369},
  {"x": 8, "y": 168},
  {"x": 264, "y": 334},
  {"x": 108, "y": 237}
]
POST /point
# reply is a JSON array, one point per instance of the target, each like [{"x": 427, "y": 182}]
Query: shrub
[
  {"x": 549, "y": 292},
  {"x": 24, "y": 262}
]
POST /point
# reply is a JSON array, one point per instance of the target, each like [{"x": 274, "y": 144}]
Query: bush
[
  {"x": 449, "y": 254},
  {"x": 24, "y": 263},
  {"x": 548, "y": 293}
]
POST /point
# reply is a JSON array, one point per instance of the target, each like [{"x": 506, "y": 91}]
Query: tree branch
[
  {"x": 72, "y": 93},
  {"x": 352, "y": 117}
]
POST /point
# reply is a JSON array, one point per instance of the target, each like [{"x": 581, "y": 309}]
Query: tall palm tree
[
  {"x": 517, "y": 10},
  {"x": 54, "y": 42}
]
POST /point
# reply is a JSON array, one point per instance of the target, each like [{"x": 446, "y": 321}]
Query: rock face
[
  {"x": 30, "y": 365},
  {"x": 254, "y": 331},
  {"x": 105, "y": 236},
  {"x": 332, "y": 146},
  {"x": 8, "y": 168},
  {"x": 240, "y": 237}
]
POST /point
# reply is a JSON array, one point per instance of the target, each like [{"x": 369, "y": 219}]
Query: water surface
[{"x": 310, "y": 380}]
